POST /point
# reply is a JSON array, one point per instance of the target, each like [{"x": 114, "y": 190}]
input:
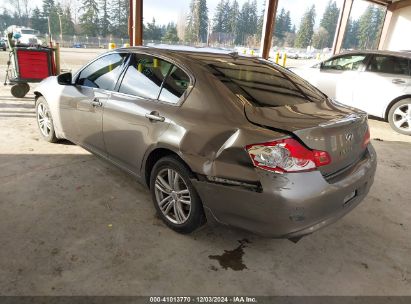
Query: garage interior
[{"x": 72, "y": 224}]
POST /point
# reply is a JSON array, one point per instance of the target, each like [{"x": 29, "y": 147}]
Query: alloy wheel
[
  {"x": 402, "y": 117},
  {"x": 44, "y": 119},
  {"x": 172, "y": 196}
]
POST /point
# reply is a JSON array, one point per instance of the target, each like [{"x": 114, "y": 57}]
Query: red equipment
[{"x": 30, "y": 64}]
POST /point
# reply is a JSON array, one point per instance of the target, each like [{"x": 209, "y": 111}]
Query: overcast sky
[{"x": 165, "y": 11}]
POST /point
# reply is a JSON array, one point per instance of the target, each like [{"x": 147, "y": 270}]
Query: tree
[
  {"x": 152, "y": 31},
  {"x": 321, "y": 38},
  {"x": 38, "y": 22},
  {"x": 171, "y": 33},
  {"x": 260, "y": 24},
  {"x": 220, "y": 20},
  {"x": 233, "y": 18},
  {"x": 6, "y": 20},
  {"x": 67, "y": 23},
  {"x": 306, "y": 30},
  {"x": 21, "y": 11},
  {"x": 105, "y": 23},
  {"x": 247, "y": 22},
  {"x": 350, "y": 38},
  {"x": 369, "y": 27},
  {"x": 329, "y": 21},
  {"x": 89, "y": 18},
  {"x": 197, "y": 22},
  {"x": 50, "y": 14},
  {"x": 120, "y": 11}
]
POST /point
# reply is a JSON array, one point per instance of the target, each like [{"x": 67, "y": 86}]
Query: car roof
[
  {"x": 405, "y": 54},
  {"x": 191, "y": 52}
]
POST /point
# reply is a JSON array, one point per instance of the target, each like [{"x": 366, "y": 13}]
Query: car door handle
[
  {"x": 398, "y": 81},
  {"x": 154, "y": 116},
  {"x": 96, "y": 102}
]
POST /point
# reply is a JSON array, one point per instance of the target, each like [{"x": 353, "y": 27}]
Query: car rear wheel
[
  {"x": 174, "y": 196},
  {"x": 399, "y": 117},
  {"x": 44, "y": 120}
]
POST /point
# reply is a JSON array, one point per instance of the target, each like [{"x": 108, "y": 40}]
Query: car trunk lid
[{"x": 324, "y": 126}]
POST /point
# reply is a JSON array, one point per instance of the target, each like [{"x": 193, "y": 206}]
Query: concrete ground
[{"x": 71, "y": 224}]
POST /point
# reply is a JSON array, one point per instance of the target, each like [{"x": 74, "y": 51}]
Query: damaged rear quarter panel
[{"x": 210, "y": 132}]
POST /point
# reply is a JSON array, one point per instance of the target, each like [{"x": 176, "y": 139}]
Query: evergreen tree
[
  {"x": 89, "y": 19},
  {"x": 329, "y": 21},
  {"x": 67, "y": 23},
  {"x": 50, "y": 13},
  {"x": 120, "y": 12},
  {"x": 287, "y": 26},
  {"x": 38, "y": 22},
  {"x": 171, "y": 33},
  {"x": 197, "y": 22},
  {"x": 260, "y": 24},
  {"x": 233, "y": 18},
  {"x": 282, "y": 27},
  {"x": 48, "y": 7},
  {"x": 219, "y": 22},
  {"x": 247, "y": 22},
  {"x": 350, "y": 38},
  {"x": 104, "y": 18},
  {"x": 279, "y": 27},
  {"x": 152, "y": 31},
  {"x": 369, "y": 27},
  {"x": 203, "y": 20},
  {"x": 306, "y": 30}
]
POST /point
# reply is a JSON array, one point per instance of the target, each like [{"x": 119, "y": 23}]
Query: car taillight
[
  {"x": 366, "y": 140},
  {"x": 286, "y": 155}
]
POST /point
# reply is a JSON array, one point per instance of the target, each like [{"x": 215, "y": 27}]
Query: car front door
[
  {"x": 384, "y": 79},
  {"x": 82, "y": 108},
  {"x": 337, "y": 76},
  {"x": 137, "y": 115}
]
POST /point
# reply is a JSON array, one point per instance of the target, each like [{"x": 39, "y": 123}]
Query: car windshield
[{"x": 261, "y": 82}]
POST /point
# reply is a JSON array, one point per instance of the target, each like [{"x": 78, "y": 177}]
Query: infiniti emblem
[{"x": 349, "y": 136}]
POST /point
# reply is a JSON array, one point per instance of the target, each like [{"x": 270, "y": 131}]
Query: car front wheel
[
  {"x": 399, "y": 117},
  {"x": 44, "y": 120},
  {"x": 175, "y": 198}
]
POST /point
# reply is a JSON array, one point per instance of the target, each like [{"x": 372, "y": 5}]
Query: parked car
[
  {"x": 378, "y": 82},
  {"x": 79, "y": 46},
  {"x": 216, "y": 136},
  {"x": 3, "y": 44}
]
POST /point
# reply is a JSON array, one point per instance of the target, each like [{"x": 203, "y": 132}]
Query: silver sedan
[{"x": 220, "y": 137}]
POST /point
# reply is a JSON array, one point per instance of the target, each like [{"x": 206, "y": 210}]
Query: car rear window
[{"x": 261, "y": 82}]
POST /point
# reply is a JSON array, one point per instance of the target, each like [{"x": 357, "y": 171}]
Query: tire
[
  {"x": 20, "y": 90},
  {"x": 181, "y": 217},
  {"x": 399, "y": 116},
  {"x": 43, "y": 114}
]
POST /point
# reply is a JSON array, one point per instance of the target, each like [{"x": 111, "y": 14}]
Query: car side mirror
[{"x": 65, "y": 79}]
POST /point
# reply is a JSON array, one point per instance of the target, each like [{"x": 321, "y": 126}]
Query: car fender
[{"x": 51, "y": 91}]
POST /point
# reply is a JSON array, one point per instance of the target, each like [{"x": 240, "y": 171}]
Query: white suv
[{"x": 378, "y": 82}]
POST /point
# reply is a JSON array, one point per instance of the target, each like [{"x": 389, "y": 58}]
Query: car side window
[
  {"x": 102, "y": 73},
  {"x": 174, "y": 85},
  {"x": 344, "y": 63},
  {"x": 145, "y": 76},
  {"x": 389, "y": 64}
]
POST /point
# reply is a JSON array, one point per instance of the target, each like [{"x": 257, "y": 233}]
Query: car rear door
[
  {"x": 384, "y": 79},
  {"x": 137, "y": 114},
  {"x": 82, "y": 106}
]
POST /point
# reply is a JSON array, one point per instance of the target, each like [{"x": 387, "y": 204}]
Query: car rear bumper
[{"x": 290, "y": 205}]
